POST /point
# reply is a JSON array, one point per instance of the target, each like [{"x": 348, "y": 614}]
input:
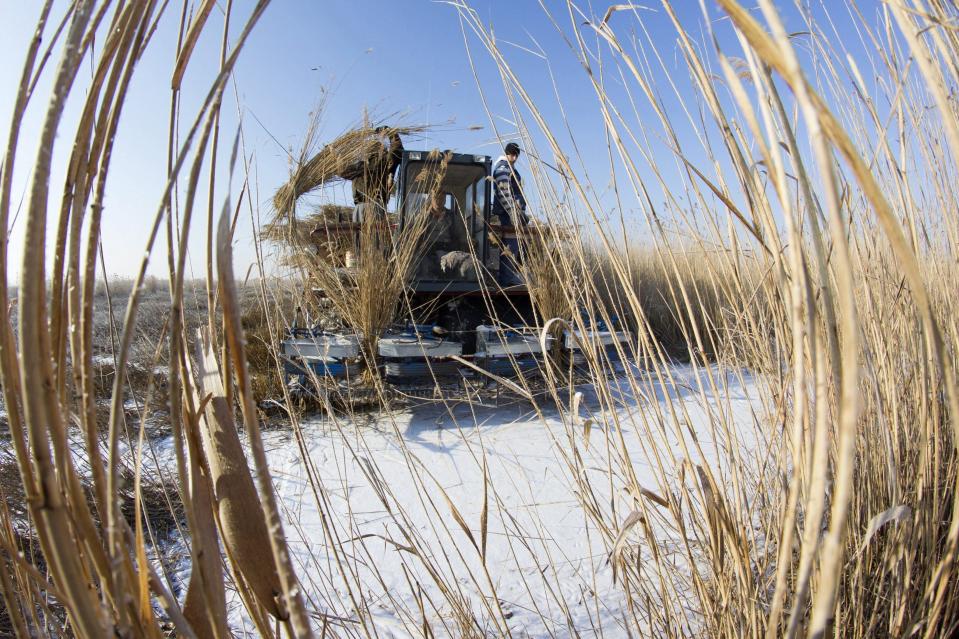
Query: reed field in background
[{"x": 818, "y": 214}]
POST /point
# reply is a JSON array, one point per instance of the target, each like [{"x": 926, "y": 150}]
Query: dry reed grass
[
  {"x": 369, "y": 296},
  {"x": 824, "y": 289},
  {"x": 339, "y": 156},
  {"x": 832, "y": 202},
  {"x": 102, "y": 586},
  {"x": 301, "y": 247},
  {"x": 660, "y": 282}
]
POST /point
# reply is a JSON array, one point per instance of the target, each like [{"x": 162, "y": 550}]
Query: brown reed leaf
[{"x": 236, "y": 499}]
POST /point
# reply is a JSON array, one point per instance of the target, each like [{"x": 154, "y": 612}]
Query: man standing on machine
[{"x": 509, "y": 203}]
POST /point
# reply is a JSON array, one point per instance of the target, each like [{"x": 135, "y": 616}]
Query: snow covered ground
[{"x": 474, "y": 515}]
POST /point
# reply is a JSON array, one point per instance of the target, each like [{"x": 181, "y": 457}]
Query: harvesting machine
[{"x": 467, "y": 321}]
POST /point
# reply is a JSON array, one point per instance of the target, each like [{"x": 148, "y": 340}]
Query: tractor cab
[{"x": 446, "y": 196}]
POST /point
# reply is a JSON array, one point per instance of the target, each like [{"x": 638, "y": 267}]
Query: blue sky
[{"x": 402, "y": 57}]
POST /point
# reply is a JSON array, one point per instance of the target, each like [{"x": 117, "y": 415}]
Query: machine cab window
[{"x": 443, "y": 202}]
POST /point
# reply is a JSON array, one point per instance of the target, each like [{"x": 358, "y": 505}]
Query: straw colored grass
[
  {"x": 337, "y": 157},
  {"x": 801, "y": 231},
  {"x": 368, "y": 297},
  {"x": 842, "y": 530}
]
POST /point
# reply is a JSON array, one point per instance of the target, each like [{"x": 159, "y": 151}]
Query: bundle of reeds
[
  {"x": 305, "y": 240},
  {"x": 340, "y": 156}
]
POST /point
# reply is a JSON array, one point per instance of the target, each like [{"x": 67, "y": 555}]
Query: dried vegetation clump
[
  {"x": 268, "y": 308},
  {"x": 338, "y": 157},
  {"x": 305, "y": 240}
]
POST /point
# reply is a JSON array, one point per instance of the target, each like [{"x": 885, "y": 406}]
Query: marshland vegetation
[{"x": 779, "y": 458}]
